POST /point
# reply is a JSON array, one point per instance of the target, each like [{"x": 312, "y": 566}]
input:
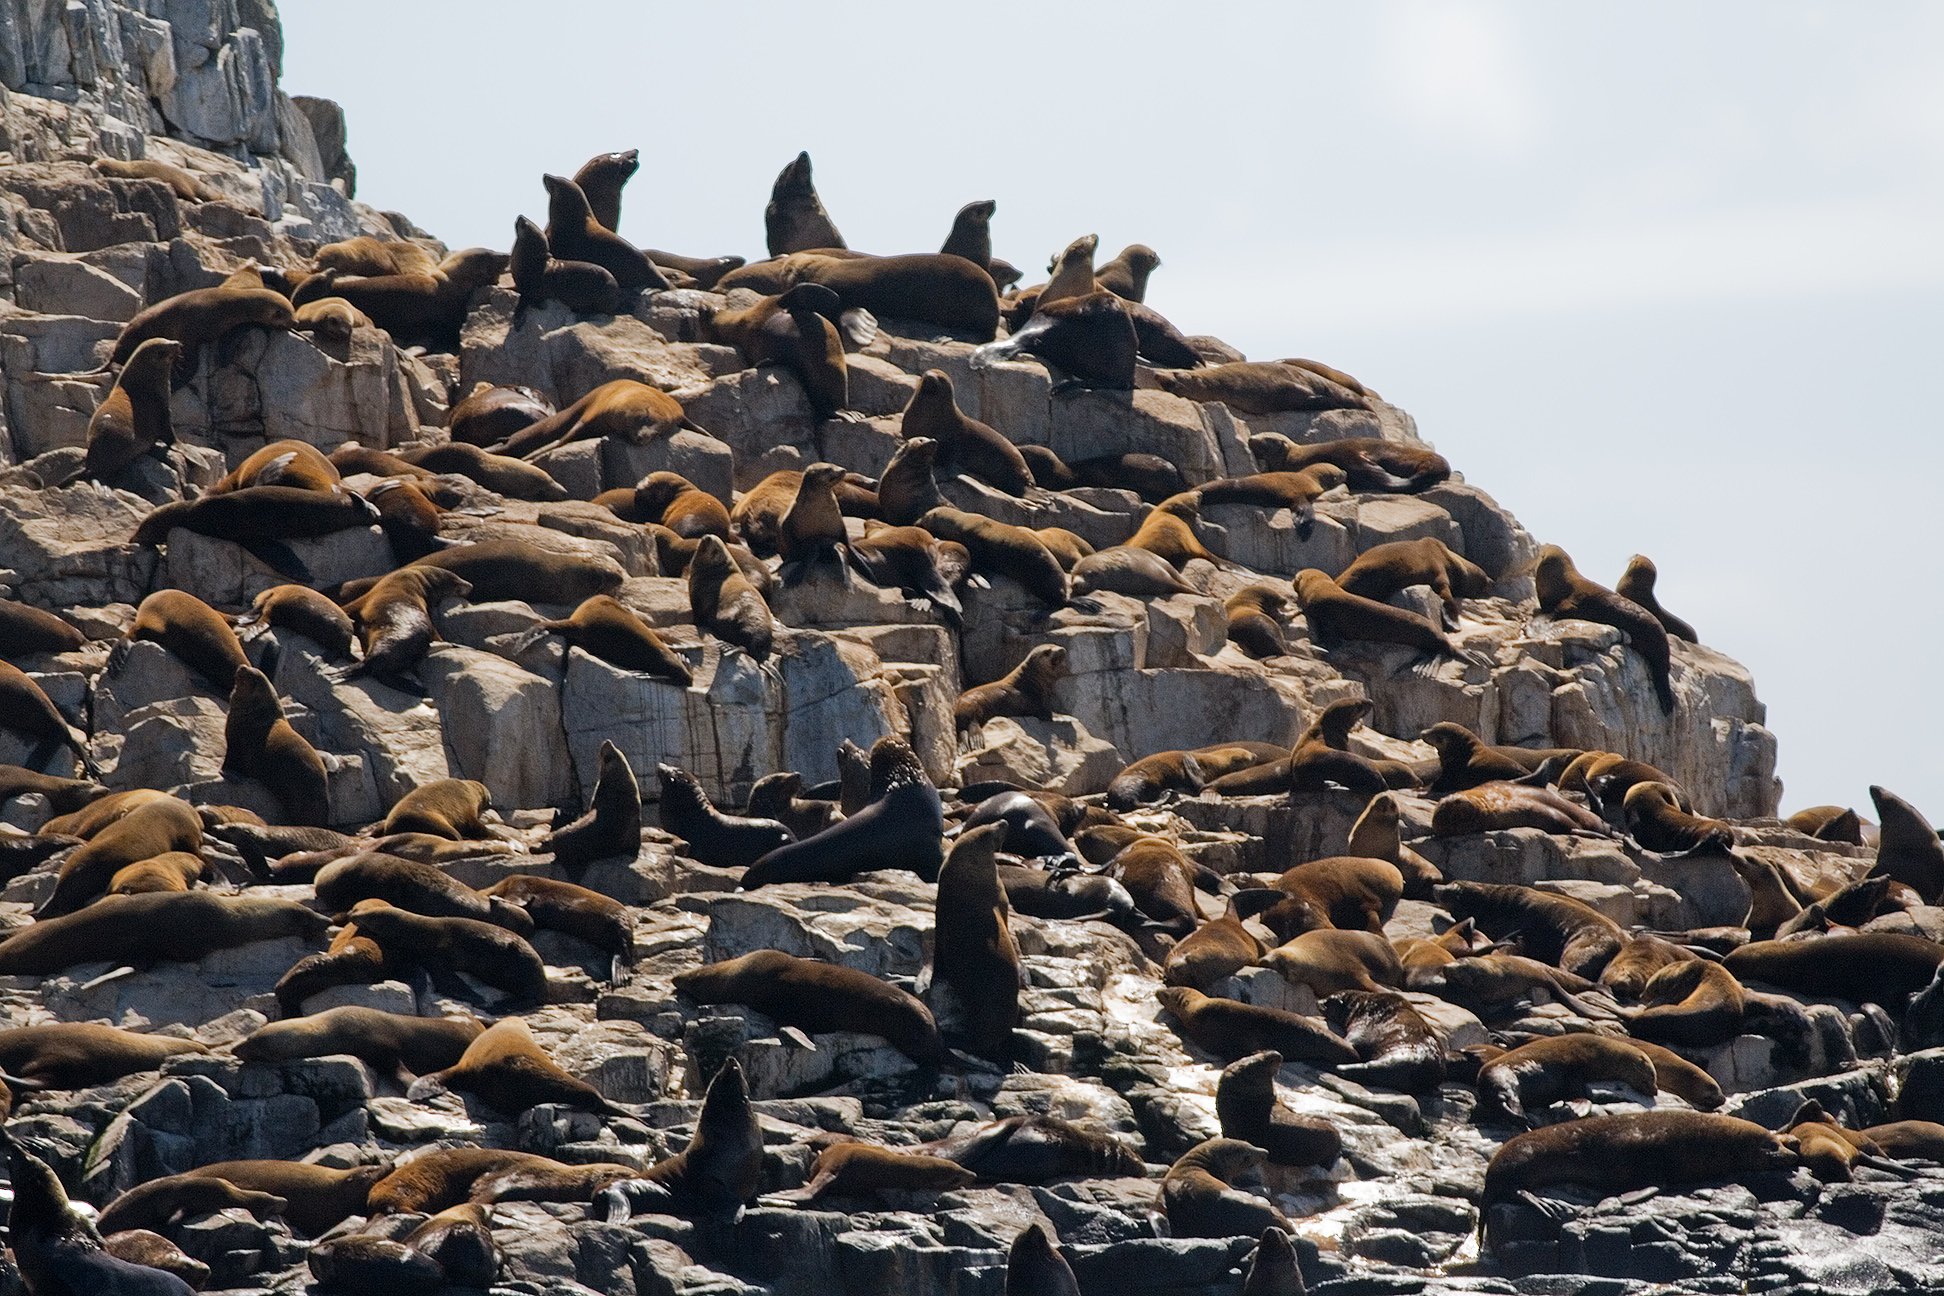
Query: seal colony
[{"x": 835, "y": 743}]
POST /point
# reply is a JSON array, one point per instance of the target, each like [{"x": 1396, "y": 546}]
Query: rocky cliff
[{"x": 501, "y": 701}]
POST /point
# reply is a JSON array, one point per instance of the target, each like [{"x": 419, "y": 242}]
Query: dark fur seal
[
  {"x": 1248, "y": 1109},
  {"x": 1035, "y": 1267},
  {"x": 259, "y": 743},
  {"x": 796, "y": 330},
  {"x": 719, "y": 1169},
  {"x": 1025, "y": 690},
  {"x": 600, "y": 921},
  {"x": 1001, "y": 547},
  {"x": 911, "y": 560},
  {"x": 392, "y": 1043},
  {"x": 163, "y": 926},
  {"x": 1637, "y": 585},
  {"x": 416, "y": 308},
  {"x": 1198, "y": 1197},
  {"x": 1400, "y": 1048},
  {"x": 1563, "y": 592},
  {"x": 1908, "y": 849},
  {"x": 1499, "y": 805},
  {"x": 194, "y": 633},
  {"x": 795, "y": 220},
  {"x": 1231, "y": 1030},
  {"x": 903, "y": 827},
  {"x": 1556, "y": 929},
  {"x": 611, "y": 828},
  {"x": 724, "y": 602},
  {"x": 1335, "y": 616},
  {"x": 1036, "y": 1150},
  {"x": 1516, "y": 1086},
  {"x": 505, "y": 1067},
  {"x": 489, "y": 415},
  {"x": 58, "y": 1251},
  {"x": 491, "y": 954},
  {"x": 908, "y": 486},
  {"x": 303, "y": 611},
  {"x": 394, "y": 619},
  {"x": 819, "y": 997},
  {"x": 258, "y": 514},
  {"x": 1883, "y": 968},
  {"x": 716, "y": 839},
  {"x": 152, "y": 828},
  {"x": 973, "y": 950},
  {"x": 1089, "y": 339},
  {"x": 964, "y": 443},
  {"x": 581, "y": 286}
]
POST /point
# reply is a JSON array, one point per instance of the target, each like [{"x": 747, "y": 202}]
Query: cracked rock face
[{"x": 1125, "y": 872}]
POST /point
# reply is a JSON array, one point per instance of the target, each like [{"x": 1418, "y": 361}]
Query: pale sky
[{"x": 1662, "y": 277}]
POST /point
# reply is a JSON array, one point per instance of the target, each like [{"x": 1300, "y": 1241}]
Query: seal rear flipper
[{"x": 1557, "y": 1212}]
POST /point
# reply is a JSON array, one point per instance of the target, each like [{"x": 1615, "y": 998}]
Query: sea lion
[
  {"x": 451, "y": 808},
  {"x": 1071, "y": 273},
  {"x": 719, "y": 1169},
  {"x": 601, "y": 179},
  {"x": 1035, "y": 1150},
  {"x": 780, "y": 797},
  {"x": 716, "y": 839},
  {"x": 1035, "y": 1267},
  {"x": 1321, "y": 758},
  {"x": 1339, "y": 891},
  {"x": 1220, "y": 947},
  {"x": 331, "y": 318},
  {"x": 796, "y": 330},
  {"x": 611, "y": 828},
  {"x": 58, "y": 1251},
  {"x": 490, "y": 415},
  {"x": 1198, "y": 1199},
  {"x": 1025, "y": 690},
  {"x": 192, "y": 632},
  {"x": 1248, "y": 1109},
  {"x": 442, "y": 1178},
  {"x": 1149, "y": 476},
  {"x": 1564, "y": 593},
  {"x": 861, "y": 1169},
  {"x": 183, "y": 184},
  {"x": 26, "y": 710},
  {"x": 902, "y": 827},
  {"x": 1295, "y": 491},
  {"x": 1372, "y": 464},
  {"x": 1637, "y": 584},
  {"x": 1152, "y": 776},
  {"x": 1328, "y": 960},
  {"x": 488, "y": 952},
  {"x": 724, "y": 603},
  {"x": 812, "y": 527},
  {"x": 1089, "y": 339},
  {"x": 352, "y": 958},
  {"x": 318, "y": 1198},
  {"x": 199, "y": 318},
  {"x": 1003, "y": 548},
  {"x": 163, "y": 926},
  {"x": 973, "y": 951},
  {"x": 1334, "y": 616},
  {"x": 820, "y": 998},
  {"x": 392, "y": 1043},
  {"x": 1516, "y": 1086},
  {"x": 1255, "y": 621},
  {"x": 505, "y": 1067},
  {"x": 1656, "y": 821},
  {"x": 671, "y": 500},
  {"x": 1556, "y": 929},
  {"x": 1694, "y": 1002},
  {"x": 907, "y": 488},
  {"x": 519, "y": 570},
  {"x": 1124, "y": 569},
  {"x": 1385, "y": 569},
  {"x": 460, "y": 1240},
  {"x": 369, "y": 257},
  {"x": 169, "y": 871},
  {"x": 1161, "y": 881},
  {"x": 1400, "y": 1048},
  {"x": 574, "y": 235},
  {"x": 1682, "y": 1078},
  {"x": 502, "y": 474},
  {"x": 917, "y": 564},
  {"x": 258, "y": 514},
  {"x": 409, "y": 518},
  {"x": 1376, "y": 835},
  {"x": 795, "y": 220},
  {"x": 1616, "y": 1154},
  {"x": 589, "y": 916},
  {"x": 133, "y": 419},
  {"x": 150, "y": 829},
  {"x": 964, "y": 443},
  {"x": 1126, "y": 275},
  {"x": 1908, "y": 849},
  {"x": 258, "y": 743},
  {"x": 416, "y": 308},
  {"x": 928, "y": 288},
  {"x": 1605, "y": 778},
  {"x": 1493, "y": 807},
  {"x": 282, "y": 463},
  {"x": 1261, "y": 387},
  {"x": 394, "y": 619},
  {"x": 303, "y": 611},
  {"x": 1231, "y": 1030},
  {"x": 581, "y": 286},
  {"x": 158, "y": 1204},
  {"x": 604, "y": 627},
  {"x": 422, "y": 888},
  {"x": 1883, "y": 968},
  {"x": 1033, "y": 828}
]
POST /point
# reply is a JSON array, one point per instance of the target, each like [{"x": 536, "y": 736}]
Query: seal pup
[
  {"x": 711, "y": 837},
  {"x": 1564, "y": 593},
  {"x": 902, "y": 827},
  {"x": 973, "y": 950}
]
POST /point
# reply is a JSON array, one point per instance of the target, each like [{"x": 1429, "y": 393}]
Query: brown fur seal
[
  {"x": 489, "y": 415},
  {"x": 443, "y": 1178},
  {"x": 163, "y": 926},
  {"x": 1883, "y": 968},
  {"x": 538, "y": 276},
  {"x": 758, "y": 514},
  {"x": 1220, "y": 947},
  {"x": 371, "y": 258},
  {"x": 907, "y": 488},
  {"x": 331, "y": 318},
  {"x": 422, "y": 888},
  {"x": 1247, "y": 1107},
  {"x": 1400, "y": 1048},
  {"x": 194, "y": 633},
  {"x": 1908, "y": 849},
  {"x": 861, "y": 1169},
  {"x": 1617, "y": 1154},
  {"x": 506, "y": 1068},
  {"x": 1656, "y": 820},
  {"x": 1089, "y": 339},
  {"x": 1025, "y": 690},
  {"x": 1377, "y": 835},
  {"x": 1556, "y": 929},
  {"x": 26, "y": 631},
  {"x": 1069, "y": 547},
  {"x": 1373, "y": 464},
  {"x": 1035, "y": 1150},
  {"x": 1035, "y": 1267},
  {"x": 1124, "y": 569},
  {"x": 917, "y": 564},
  {"x": 1231, "y": 1030},
  {"x": 1637, "y": 584},
  {"x": 501, "y": 474},
  {"x": 395, "y": 619},
  {"x": 589, "y": 916},
  {"x": 1643, "y": 955},
  {"x": 901, "y": 827},
  {"x": 1335, "y": 616},
  {"x": 795, "y": 330},
  {"x": 133, "y": 419},
  {"x": 303, "y": 611},
  {"x": 352, "y": 958},
  {"x": 184, "y": 185},
  {"x": 1563, "y": 593},
  {"x": 409, "y": 517},
  {"x": 259, "y": 743},
  {"x": 1255, "y": 621},
  {"x": 1150, "y": 777},
  {"x": 623, "y": 409},
  {"x": 392, "y": 1043},
  {"x": 1494, "y": 807},
  {"x": 451, "y": 808},
  {"x": 1160, "y": 880},
  {"x": 1682, "y": 1078},
  {"x": 63, "y": 795},
  {"x": 1167, "y": 531},
  {"x": 719, "y": 1169},
  {"x": 1320, "y": 759},
  {"x": 169, "y": 871},
  {"x": 101, "y": 811},
  {"x": 1694, "y": 1003},
  {"x": 1126, "y": 275},
  {"x": 199, "y": 318},
  {"x": 1385, "y": 569},
  {"x": 725, "y": 604},
  {"x": 258, "y": 513},
  {"x": 1001, "y": 547},
  {"x": 611, "y": 828},
  {"x": 973, "y": 951},
  {"x": 151, "y": 828},
  {"x": 812, "y": 528},
  {"x": 1261, "y": 387},
  {"x": 1828, "y": 823},
  {"x": 1516, "y": 1086},
  {"x": 519, "y": 570},
  {"x": 158, "y": 1204},
  {"x": 1328, "y": 960},
  {"x": 1295, "y": 491},
  {"x": 820, "y": 998},
  {"x": 1338, "y": 891},
  {"x": 80, "y": 1055},
  {"x": 493, "y": 955},
  {"x": 795, "y": 220},
  {"x": 416, "y": 308},
  {"x": 925, "y": 287},
  {"x": 57, "y": 1250},
  {"x": 1465, "y": 761},
  {"x": 367, "y": 1263},
  {"x": 1199, "y": 1202},
  {"x": 780, "y": 796},
  {"x": 153, "y": 1251},
  {"x": 318, "y": 1197},
  {"x": 716, "y": 839},
  {"x": 964, "y": 443}
]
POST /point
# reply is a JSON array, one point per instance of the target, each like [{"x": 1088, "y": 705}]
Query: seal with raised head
[
  {"x": 1908, "y": 848},
  {"x": 811, "y": 531},
  {"x": 1220, "y": 947},
  {"x": 1198, "y": 1197},
  {"x": 416, "y": 308},
  {"x": 710, "y": 836},
  {"x": 1025, "y": 690},
  {"x": 908, "y": 486},
  {"x": 1248, "y": 1109},
  {"x": 538, "y": 276},
  {"x": 719, "y": 1169},
  {"x": 611, "y": 828},
  {"x": 1035, "y": 1267},
  {"x": 574, "y": 235},
  {"x": 1563, "y": 592},
  {"x": 798, "y": 330},
  {"x": 819, "y": 997},
  {"x": 259, "y": 743},
  {"x": 964, "y": 443},
  {"x": 133, "y": 419},
  {"x": 795, "y": 219},
  {"x": 1126, "y": 275},
  {"x": 902, "y": 827},
  {"x": 1637, "y": 584},
  {"x": 58, "y": 1251},
  {"x": 505, "y": 1067},
  {"x": 724, "y": 602},
  {"x": 1465, "y": 761},
  {"x": 973, "y": 951}
]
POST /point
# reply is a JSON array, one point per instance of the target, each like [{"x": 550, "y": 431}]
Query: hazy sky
[{"x": 1661, "y": 277}]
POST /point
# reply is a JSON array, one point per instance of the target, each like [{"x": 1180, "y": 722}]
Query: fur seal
[
  {"x": 1220, "y": 947},
  {"x": 416, "y": 308},
  {"x": 1199, "y": 1201},
  {"x": 725, "y": 604},
  {"x": 928, "y": 288},
  {"x": 780, "y": 797},
  {"x": 1682, "y": 1078},
  {"x": 719, "y": 1169},
  {"x": 902, "y": 827},
  {"x": 153, "y": 1251},
  {"x": 1125, "y": 569},
  {"x": 1126, "y": 275},
  {"x": 1295, "y": 491},
  {"x": 1334, "y": 615},
  {"x": 861, "y": 1169},
  {"x": 505, "y": 1067},
  {"x": 183, "y": 184},
  {"x": 795, "y": 220},
  {"x": 573, "y": 234},
  {"x": 318, "y": 1198},
  {"x": 611, "y": 828},
  {"x": 1001, "y": 547},
  {"x": 711, "y": 837},
  {"x": 1656, "y": 821},
  {"x": 1255, "y": 621},
  {"x": 502, "y": 474},
  {"x": 1493, "y": 807},
  {"x": 194, "y": 633},
  {"x": 1637, "y": 584},
  {"x": 368, "y": 257},
  {"x": 422, "y": 888},
  {"x": 521, "y": 571},
  {"x": 491, "y": 954},
  {"x": 1400, "y": 1048},
  {"x": 259, "y": 743},
  {"x": 162, "y": 926},
  {"x": 1167, "y": 530},
  {"x": 352, "y": 958},
  {"x": 303, "y": 611},
  {"x": 1187, "y": 772},
  {"x": 199, "y": 318},
  {"x": 373, "y": 1266},
  {"x": 158, "y": 1204},
  {"x": 1035, "y": 1267},
  {"x": 26, "y": 710},
  {"x": 1339, "y": 891},
  {"x": 63, "y": 795},
  {"x": 392, "y": 1043},
  {"x": 1161, "y": 881},
  {"x": 1231, "y": 1030},
  {"x": 1908, "y": 848},
  {"x": 1376, "y": 835},
  {"x": 1025, "y": 690},
  {"x": 331, "y": 318},
  {"x": 1694, "y": 1002},
  {"x": 1828, "y": 823},
  {"x": 1035, "y": 1150},
  {"x": 601, "y": 179},
  {"x": 973, "y": 951},
  {"x": 917, "y": 564},
  {"x": 812, "y": 527},
  {"x": 1372, "y": 464},
  {"x": 490, "y": 415},
  {"x": 169, "y": 871},
  {"x": 964, "y": 443},
  {"x": 1883, "y": 968},
  {"x": 581, "y": 286},
  {"x": 1321, "y": 758},
  {"x": 1089, "y": 339},
  {"x": 796, "y": 330},
  {"x": 133, "y": 419},
  {"x": 1556, "y": 929},
  {"x": 150, "y": 829},
  {"x": 820, "y": 998},
  {"x": 1328, "y": 960},
  {"x": 604, "y": 627},
  {"x": 58, "y": 1251},
  {"x": 258, "y": 514},
  {"x": 1515, "y": 1086},
  {"x": 451, "y": 808},
  {"x": 282, "y": 463},
  {"x": 1248, "y": 1109},
  {"x": 442, "y": 1178},
  {"x": 394, "y": 619},
  {"x": 623, "y": 410},
  {"x": 80, "y": 1055},
  {"x": 1260, "y": 387},
  {"x": 908, "y": 488},
  {"x": 588, "y": 916},
  {"x": 1564, "y": 593},
  {"x": 1385, "y": 569},
  {"x": 1465, "y": 761}
]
